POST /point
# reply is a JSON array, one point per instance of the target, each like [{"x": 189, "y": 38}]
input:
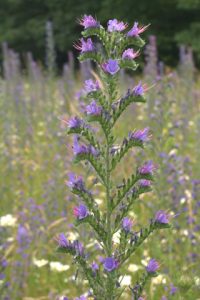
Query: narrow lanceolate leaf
[
  {"x": 123, "y": 103},
  {"x": 95, "y": 162},
  {"x": 96, "y": 57},
  {"x": 85, "y": 132},
  {"x": 125, "y": 188},
  {"x": 125, "y": 205},
  {"x": 139, "y": 238},
  {"x": 96, "y": 225},
  {"x": 126, "y": 145},
  {"x": 132, "y": 41},
  {"x": 128, "y": 64},
  {"x": 103, "y": 120},
  {"x": 99, "y": 32}
]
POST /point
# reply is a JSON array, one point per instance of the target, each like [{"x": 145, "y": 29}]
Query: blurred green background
[{"x": 23, "y": 23}]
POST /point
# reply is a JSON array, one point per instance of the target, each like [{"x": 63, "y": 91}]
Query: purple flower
[
  {"x": 62, "y": 241},
  {"x": 85, "y": 45},
  {"x": 162, "y": 217},
  {"x": 93, "y": 109},
  {"x": 111, "y": 66},
  {"x": 147, "y": 168},
  {"x": 4, "y": 263},
  {"x": 83, "y": 149},
  {"x": 81, "y": 298},
  {"x": 130, "y": 54},
  {"x": 141, "y": 135},
  {"x": 139, "y": 89},
  {"x": 127, "y": 224},
  {"x": 81, "y": 211},
  {"x": 110, "y": 264},
  {"x": 144, "y": 183},
  {"x": 79, "y": 149},
  {"x": 91, "y": 86},
  {"x": 94, "y": 266},
  {"x": 115, "y": 25},
  {"x": 136, "y": 30},
  {"x": 173, "y": 289},
  {"x": 75, "y": 182},
  {"x": 74, "y": 122},
  {"x": 152, "y": 266},
  {"x": 89, "y": 22}
]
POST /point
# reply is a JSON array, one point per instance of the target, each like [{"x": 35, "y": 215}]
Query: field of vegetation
[{"x": 36, "y": 156}]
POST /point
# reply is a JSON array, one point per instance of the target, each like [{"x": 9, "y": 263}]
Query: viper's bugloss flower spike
[
  {"x": 89, "y": 21},
  {"x": 85, "y": 45},
  {"x": 75, "y": 182},
  {"x": 162, "y": 217},
  {"x": 103, "y": 156},
  {"x": 139, "y": 89},
  {"x": 137, "y": 30},
  {"x": 110, "y": 264},
  {"x": 130, "y": 54},
  {"x": 127, "y": 224},
  {"x": 81, "y": 211},
  {"x": 115, "y": 25},
  {"x": 93, "y": 109},
  {"x": 147, "y": 168},
  {"x": 152, "y": 266},
  {"x": 111, "y": 66},
  {"x": 141, "y": 135},
  {"x": 74, "y": 122},
  {"x": 91, "y": 86}
]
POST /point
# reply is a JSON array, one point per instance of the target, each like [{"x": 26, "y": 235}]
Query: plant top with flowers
[{"x": 105, "y": 108}]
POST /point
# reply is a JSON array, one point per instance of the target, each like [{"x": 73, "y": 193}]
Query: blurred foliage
[{"x": 23, "y": 23}]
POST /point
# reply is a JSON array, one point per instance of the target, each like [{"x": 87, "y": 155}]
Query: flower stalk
[{"x": 104, "y": 109}]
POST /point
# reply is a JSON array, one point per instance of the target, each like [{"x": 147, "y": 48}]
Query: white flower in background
[
  {"x": 98, "y": 201},
  {"x": 57, "y": 266},
  {"x": 159, "y": 279},
  {"x": 197, "y": 281},
  {"x": 8, "y": 220},
  {"x": 125, "y": 280},
  {"x": 40, "y": 262},
  {"x": 116, "y": 237},
  {"x": 133, "y": 268},
  {"x": 173, "y": 152},
  {"x": 145, "y": 261},
  {"x": 72, "y": 236}
]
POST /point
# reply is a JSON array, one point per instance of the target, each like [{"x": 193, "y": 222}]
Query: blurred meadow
[{"x": 36, "y": 156}]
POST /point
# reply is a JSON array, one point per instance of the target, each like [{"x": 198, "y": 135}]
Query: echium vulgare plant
[{"x": 105, "y": 108}]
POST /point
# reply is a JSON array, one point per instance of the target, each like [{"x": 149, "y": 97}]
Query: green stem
[{"x": 110, "y": 281}]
